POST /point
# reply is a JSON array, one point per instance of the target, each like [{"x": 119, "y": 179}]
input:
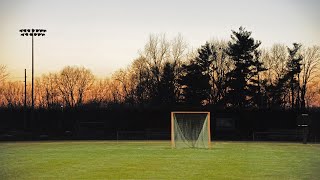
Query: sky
[{"x": 105, "y": 35}]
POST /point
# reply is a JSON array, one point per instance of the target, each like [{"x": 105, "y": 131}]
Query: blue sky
[{"x": 106, "y": 35}]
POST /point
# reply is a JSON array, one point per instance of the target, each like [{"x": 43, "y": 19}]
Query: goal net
[{"x": 190, "y": 129}]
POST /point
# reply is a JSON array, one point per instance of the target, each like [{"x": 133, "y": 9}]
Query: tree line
[{"x": 235, "y": 74}]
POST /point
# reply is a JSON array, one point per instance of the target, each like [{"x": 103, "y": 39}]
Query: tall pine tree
[
  {"x": 293, "y": 72},
  {"x": 242, "y": 81},
  {"x": 289, "y": 82},
  {"x": 195, "y": 80},
  {"x": 167, "y": 87}
]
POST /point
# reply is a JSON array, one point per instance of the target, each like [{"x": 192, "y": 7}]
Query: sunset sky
[{"x": 107, "y": 35}]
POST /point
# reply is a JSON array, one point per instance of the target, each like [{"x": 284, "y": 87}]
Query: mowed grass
[{"x": 156, "y": 160}]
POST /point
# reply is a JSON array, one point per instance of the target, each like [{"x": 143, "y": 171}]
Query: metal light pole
[
  {"x": 32, "y": 32},
  {"x": 25, "y": 101}
]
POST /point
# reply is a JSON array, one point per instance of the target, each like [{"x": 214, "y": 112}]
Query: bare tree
[
  {"x": 116, "y": 92},
  {"x": 13, "y": 94},
  {"x": 178, "y": 49},
  {"x": 275, "y": 60},
  {"x": 179, "y": 55},
  {"x": 48, "y": 91},
  {"x": 312, "y": 97},
  {"x": 126, "y": 83},
  {"x": 3, "y": 73},
  {"x": 159, "y": 51},
  {"x": 221, "y": 65},
  {"x": 3, "y": 76},
  {"x": 100, "y": 91},
  {"x": 142, "y": 80},
  {"x": 86, "y": 79},
  {"x": 310, "y": 70},
  {"x": 156, "y": 52},
  {"x": 73, "y": 82}
]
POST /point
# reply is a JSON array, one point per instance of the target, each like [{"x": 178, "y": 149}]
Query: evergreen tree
[
  {"x": 195, "y": 80},
  {"x": 293, "y": 72},
  {"x": 194, "y": 85},
  {"x": 255, "y": 83},
  {"x": 278, "y": 93},
  {"x": 241, "y": 83},
  {"x": 289, "y": 83},
  {"x": 167, "y": 86}
]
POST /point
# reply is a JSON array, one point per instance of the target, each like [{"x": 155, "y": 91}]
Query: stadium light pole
[{"x": 32, "y": 33}]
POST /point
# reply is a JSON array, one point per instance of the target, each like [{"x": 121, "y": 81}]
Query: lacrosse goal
[{"x": 190, "y": 130}]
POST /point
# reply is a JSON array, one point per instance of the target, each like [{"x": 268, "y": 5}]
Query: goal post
[{"x": 190, "y": 129}]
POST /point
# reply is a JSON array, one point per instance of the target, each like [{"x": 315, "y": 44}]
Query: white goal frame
[{"x": 189, "y": 112}]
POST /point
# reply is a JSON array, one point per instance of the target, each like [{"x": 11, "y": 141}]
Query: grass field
[{"x": 156, "y": 160}]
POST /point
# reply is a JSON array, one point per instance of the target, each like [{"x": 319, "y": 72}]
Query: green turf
[{"x": 156, "y": 160}]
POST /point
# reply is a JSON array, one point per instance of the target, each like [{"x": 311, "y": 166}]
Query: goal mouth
[{"x": 190, "y": 129}]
